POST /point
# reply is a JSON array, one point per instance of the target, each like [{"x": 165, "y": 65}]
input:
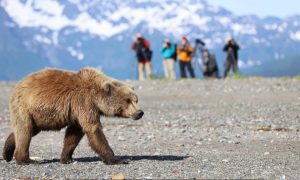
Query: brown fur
[
  {"x": 53, "y": 99},
  {"x": 9, "y": 147}
]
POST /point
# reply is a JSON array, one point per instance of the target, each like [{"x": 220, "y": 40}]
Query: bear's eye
[{"x": 128, "y": 100}]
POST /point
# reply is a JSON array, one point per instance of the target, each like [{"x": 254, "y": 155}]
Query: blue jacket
[{"x": 168, "y": 52}]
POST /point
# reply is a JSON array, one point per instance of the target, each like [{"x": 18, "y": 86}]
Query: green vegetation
[
  {"x": 160, "y": 78},
  {"x": 285, "y": 78},
  {"x": 256, "y": 78},
  {"x": 237, "y": 75},
  {"x": 297, "y": 77},
  {"x": 290, "y": 78}
]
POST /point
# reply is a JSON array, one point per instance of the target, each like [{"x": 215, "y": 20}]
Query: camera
[{"x": 199, "y": 41}]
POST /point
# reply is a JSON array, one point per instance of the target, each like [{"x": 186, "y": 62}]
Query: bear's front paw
[
  {"x": 66, "y": 161},
  {"x": 115, "y": 161}
]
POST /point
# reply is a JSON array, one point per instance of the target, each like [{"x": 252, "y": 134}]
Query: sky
[{"x": 261, "y": 8}]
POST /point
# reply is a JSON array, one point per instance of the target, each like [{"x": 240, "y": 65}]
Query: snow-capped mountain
[{"x": 76, "y": 33}]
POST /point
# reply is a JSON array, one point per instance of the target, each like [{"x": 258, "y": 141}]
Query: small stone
[
  {"x": 121, "y": 138},
  {"x": 266, "y": 153},
  {"x": 222, "y": 140},
  {"x": 35, "y": 158},
  {"x": 198, "y": 143},
  {"x": 180, "y": 145},
  {"x": 150, "y": 137},
  {"x": 282, "y": 177},
  {"x": 225, "y": 160},
  {"x": 119, "y": 176}
]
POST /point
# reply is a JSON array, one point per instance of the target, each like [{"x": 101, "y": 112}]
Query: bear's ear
[
  {"x": 117, "y": 84},
  {"x": 107, "y": 87}
]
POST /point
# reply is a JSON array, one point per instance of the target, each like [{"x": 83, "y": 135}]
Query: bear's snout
[{"x": 138, "y": 115}]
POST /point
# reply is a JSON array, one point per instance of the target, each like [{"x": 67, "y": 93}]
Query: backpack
[
  {"x": 174, "y": 55},
  {"x": 148, "y": 54},
  {"x": 143, "y": 52}
]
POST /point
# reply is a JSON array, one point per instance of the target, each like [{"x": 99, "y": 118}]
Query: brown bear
[{"x": 53, "y": 99}]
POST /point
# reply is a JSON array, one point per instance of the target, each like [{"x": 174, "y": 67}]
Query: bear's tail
[{"x": 9, "y": 147}]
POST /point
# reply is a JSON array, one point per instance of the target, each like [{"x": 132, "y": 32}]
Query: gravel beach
[{"x": 235, "y": 128}]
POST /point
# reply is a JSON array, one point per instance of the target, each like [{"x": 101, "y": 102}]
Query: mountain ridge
[{"x": 70, "y": 33}]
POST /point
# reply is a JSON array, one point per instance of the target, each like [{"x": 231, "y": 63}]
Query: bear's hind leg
[
  {"x": 22, "y": 148},
  {"x": 73, "y": 136},
  {"x": 23, "y": 137},
  {"x": 9, "y": 147}
]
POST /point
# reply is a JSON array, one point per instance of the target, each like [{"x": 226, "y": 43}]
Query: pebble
[
  {"x": 121, "y": 138},
  {"x": 119, "y": 176},
  {"x": 225, "y": 160}
]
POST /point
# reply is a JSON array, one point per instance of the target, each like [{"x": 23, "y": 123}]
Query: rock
[
  {"x": 180, "y": 145},
  {"x": 282, "y": 177},
  {"x": 198, "y": 143},
  {"x": 35, "y": 158},
  {"x": 225, "y": 160},
  {"x": 150, "y": 137},
  {"x": 119, "y": 176},
  {"x": 238, "y": 136},
  {"x": 121, "y": 138}
]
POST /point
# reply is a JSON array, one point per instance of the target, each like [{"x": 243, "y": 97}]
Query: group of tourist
[{"x": 185, "y": 53}]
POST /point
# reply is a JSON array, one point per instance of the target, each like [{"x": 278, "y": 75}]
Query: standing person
[
  {"x": 141, "y": 46},
  {"x": 231, "y": 47},
  {"x": 185, "y": 51},
  {"x": 168, "y": 51},
  {"x": 210, "y": 67}
]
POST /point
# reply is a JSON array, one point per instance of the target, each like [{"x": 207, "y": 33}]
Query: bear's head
[
  {"x": 118, "y": 100},
  {"x": 112, "y": 97}
]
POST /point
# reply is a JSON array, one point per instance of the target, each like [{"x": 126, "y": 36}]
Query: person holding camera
[
  {"x": 231, "y": 47},
  {"x": 168, "y": 51},
  {"x": 210, "y": 67},
  {"x": 185, "y": 55},
  {"x": 141, "y": 46}
]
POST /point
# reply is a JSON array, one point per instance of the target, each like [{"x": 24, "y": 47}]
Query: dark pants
[
  {"x": 186, "y": 66},
  {"x": 230, "y": 63},
  {"x": 212, "y": 73}
]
